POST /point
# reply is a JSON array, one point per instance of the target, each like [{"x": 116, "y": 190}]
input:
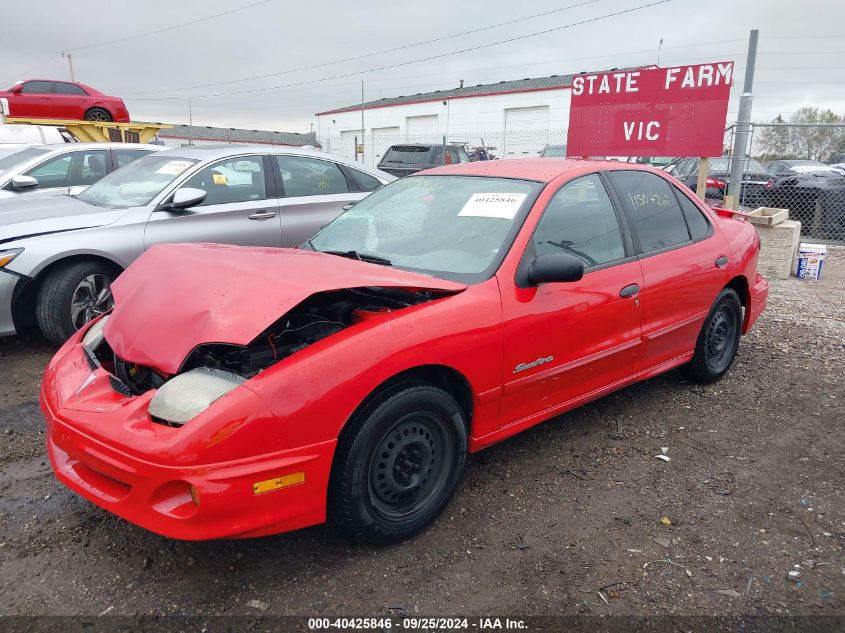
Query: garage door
[
  {"x": 422, "y": 125},
  {"x": 526, "y": 131},
  {"x": 347, "y": 139},
  {"x": 384, "y": 137}
]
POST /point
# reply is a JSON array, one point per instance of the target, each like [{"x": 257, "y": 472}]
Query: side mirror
[
  {"x": 346, "y": 207},
  {"x": 185, "y": 198},
  {"x": 22, "y": 183},
  {"x": 553, "y": 267},
  {"x": 16, "y": 89}
]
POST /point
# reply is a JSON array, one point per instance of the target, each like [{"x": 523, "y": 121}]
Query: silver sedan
[
  {"x": 58, "y": 256},
  {"x": 62, "y": 168}
]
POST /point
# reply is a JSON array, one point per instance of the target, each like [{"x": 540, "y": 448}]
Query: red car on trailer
[
  {"x": 51, "y": 99},
  {"x": 237, "y": 392}
]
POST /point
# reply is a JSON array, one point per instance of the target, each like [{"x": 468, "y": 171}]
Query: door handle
[
  {"x": 630, "y": 290},
  {"x": 721, "y": 261},
  {"x": 263, "y": 215}
]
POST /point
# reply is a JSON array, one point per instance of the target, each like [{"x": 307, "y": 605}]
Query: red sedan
[
  {"x": 238, "y": 392},
  {"x": 48, "y": 99}
]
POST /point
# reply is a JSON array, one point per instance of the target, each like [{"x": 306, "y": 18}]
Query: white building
[{"x": 518, "y": 118}]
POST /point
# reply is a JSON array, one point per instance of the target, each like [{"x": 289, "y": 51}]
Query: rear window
[{"x": 407, "y": 155}]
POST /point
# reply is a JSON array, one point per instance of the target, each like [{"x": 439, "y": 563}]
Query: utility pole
[
  {"x": 190, "y": 124},
  {"x": 659, "y": 46},
  {"x": 70, "y": 64},
  {"x": 363, "y": 135},
  {"x": 743, "y": 124}
]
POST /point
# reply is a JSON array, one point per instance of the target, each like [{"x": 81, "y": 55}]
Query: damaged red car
[{"x": 238, "y": 392}]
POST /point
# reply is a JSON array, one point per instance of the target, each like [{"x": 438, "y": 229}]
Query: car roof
[
  {"x": 78, "y": 146},
  {"x": 214, "y": 152},
  {"x": 540, "y": 169}
]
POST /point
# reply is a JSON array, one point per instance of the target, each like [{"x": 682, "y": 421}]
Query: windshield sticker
[
  {"x": 174, "y": 167},
  {"x": 493, "y": 205}
]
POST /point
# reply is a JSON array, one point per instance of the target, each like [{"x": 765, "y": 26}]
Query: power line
[
  {"x": 169, "y": 28},
  {"x": 433, "y": 57},
  {"x": 364, "y": 56}
]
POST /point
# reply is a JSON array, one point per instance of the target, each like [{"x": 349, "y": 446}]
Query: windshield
[
  {"x": 137, "y": 183},
  {"x": 453, "y": 227},
  {"x": 11, "y": 161},
  {"x": 555, "y": 151}
]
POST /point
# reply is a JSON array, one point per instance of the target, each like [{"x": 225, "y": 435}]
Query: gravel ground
[{"x": 541, "y": 524}]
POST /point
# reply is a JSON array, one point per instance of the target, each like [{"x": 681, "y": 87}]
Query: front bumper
[
  {"x": 759, "y": 292},
  {"x": 158, "y": 496},
  {"x": 7, "y": 291}
]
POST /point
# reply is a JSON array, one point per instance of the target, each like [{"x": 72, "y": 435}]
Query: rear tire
[
  {"x": 71, "y": 296},
  {"x": 398, "y": 466},
  {"x": 98, "y": 114},
  {"x": 718, "y": 340}
]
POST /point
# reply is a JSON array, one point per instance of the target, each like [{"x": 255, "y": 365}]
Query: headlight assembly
[
  {"x": 9, "y": 255},
  {"x": 185, "y": 396},
  {"x": 94, "y": 336}
]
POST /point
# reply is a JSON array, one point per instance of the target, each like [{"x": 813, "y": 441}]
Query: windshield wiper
[{"x": 363, "y": 257}]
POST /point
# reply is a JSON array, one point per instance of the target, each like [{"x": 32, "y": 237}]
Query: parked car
[
  {"x": 64, "y": 168},
  {"x": 816, "y": 198},
  {"x": 59, "y": 256},
  {"x": 782, "y": 168},
  {"x": 403, "y": 160},
  {"x": 20, "y": 135},
  {"x": 754, "y": 181},
  {"x": 553, "y": 151},
  {"x": 242, "y": 391},
  {"x": 837, "y": 158},
  {"x": 50, "y": 99}
]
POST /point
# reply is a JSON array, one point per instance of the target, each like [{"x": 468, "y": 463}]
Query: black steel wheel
[
  {"x": 718, "y": 340},
  {"x": 397, "y": 466}
]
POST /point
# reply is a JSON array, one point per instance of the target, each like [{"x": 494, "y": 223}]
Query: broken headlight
[
  {"x": 185, "y": 396},
  {"x": 94, "y": 336}
]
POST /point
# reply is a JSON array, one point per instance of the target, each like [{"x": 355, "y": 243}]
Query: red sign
[{"x": 676, "y": 111}]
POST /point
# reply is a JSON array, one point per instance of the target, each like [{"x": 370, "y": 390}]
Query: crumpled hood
[
  {"x": 178, "y": 296},
  {"x": 23, "y": 217}
]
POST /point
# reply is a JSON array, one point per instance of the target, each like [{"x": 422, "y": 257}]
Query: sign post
[{"x": 678, "y": 111}]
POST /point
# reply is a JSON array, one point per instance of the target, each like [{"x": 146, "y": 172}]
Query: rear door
[
  {"x": 240, "y": 207},
  {"x": 69, "y": 99},
  {"x": 683, "y": 263},
  {"x": 313, "y": 192},
  {"x": 564, "y": 341}
]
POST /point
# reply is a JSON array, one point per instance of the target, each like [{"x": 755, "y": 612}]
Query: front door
[
  {"x": 239, "y": 208},
  {"x": 563, "y": 341}
]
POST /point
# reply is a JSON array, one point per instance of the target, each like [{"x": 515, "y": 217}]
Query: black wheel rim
[
  {"x": 410, "y": 467},
  {"x": 97, "y": 115},
  {"x": 721, "y": 338}
]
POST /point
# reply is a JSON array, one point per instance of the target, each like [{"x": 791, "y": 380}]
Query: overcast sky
[{"x": 802, "y": 46}]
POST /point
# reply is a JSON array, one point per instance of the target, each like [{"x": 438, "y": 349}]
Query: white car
[{"x": 39, "y": 171}]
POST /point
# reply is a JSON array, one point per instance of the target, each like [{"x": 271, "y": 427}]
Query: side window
[
  {"x": 236, "y": 180},
  {"x": 37, "y": 87},
  {"x": 71, "y": 169},
  {"x": 303, "y": 176},
  {"x": 580, "y": 220},
  {"x": 126, "y": 156},
  {"x": 62, "y": 88},
  {"x": 699, "y": 226},
  {"x": 462, "y": 155},
  {"x": 654, "y": 214},
  {"x": 365, "y": 181}
]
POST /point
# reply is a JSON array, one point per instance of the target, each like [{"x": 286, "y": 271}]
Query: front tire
[
  {"x": 718, "y": 340},
  {"x": 399, "y": 464},
  {"x": 98, "y": 114},
  {"x": 71, "y": 296}
]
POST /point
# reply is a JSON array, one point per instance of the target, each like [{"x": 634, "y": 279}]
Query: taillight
[{"x": 715, "y": 183}]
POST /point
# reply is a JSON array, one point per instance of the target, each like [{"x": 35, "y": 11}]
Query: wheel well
[
  {"x": 446, "y": 378},
  {"x": 739, "y": 284},
  {"x": 26, "y": 292}
]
